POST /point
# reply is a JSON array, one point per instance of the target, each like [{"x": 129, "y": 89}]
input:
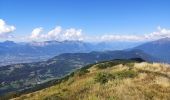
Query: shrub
[
  {"x": 130, "y": 65},
  {"x": 125, "y": 74},
  {"x": 102, "y": 66},
  {"x": 82, "y": 72},
  {"x": 105, "y": 65},
  {"x": 103, "y": 77},
  {"x": 53, "y": 97},
  {"x": 114, "y": 63}
]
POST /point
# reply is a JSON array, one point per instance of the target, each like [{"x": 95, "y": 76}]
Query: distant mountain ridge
[
  {"x": 58, "y": 47},
  {"x": 36, "y": 48},
  {"x": 12, "y": 53},
  {"x": 159, "y": 49}
]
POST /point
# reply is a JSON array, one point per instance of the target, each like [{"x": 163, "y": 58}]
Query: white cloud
[
  {"x": 5, "y": 29},
  {"x": 73, "y": 34},
  {"x": 160, "y": 33},
  {"x": 76, "y": 34},
  {"x": 54, "y": 34},
  {"x": 120, "y": 38},
  {"x": 36, "y": 33},
  {"x": 60, "y": 34},
  {"x": 57, "y": 34}
]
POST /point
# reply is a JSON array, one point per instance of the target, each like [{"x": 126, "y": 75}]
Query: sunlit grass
[{"x": 133, "y": 81}]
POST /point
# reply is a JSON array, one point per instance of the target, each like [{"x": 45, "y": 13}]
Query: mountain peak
[
  {"x": 8, "y": 43},
  {"x": 162, "y": 41},
  {"x": 52, "y": 42}
]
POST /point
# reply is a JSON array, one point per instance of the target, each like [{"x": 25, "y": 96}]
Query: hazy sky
[{"x": 84, "y": 19}]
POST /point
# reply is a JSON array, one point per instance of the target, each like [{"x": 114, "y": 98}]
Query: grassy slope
[{"x": 131, "y": 81}]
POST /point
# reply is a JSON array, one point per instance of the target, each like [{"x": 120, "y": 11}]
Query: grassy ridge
[{"x": 120, "y": 81}]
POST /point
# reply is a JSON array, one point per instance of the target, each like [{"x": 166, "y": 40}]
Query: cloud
[
  {"x": 160, "y": 33},
  {"x": 73, "y": 34},
  {"x": 60, "y": 34},
  {"x": 36, "y": 33},
  {"x": 57, "y": 34},
  {"x": 120, "y": 38},
  {"x": 5, "y": 29}
]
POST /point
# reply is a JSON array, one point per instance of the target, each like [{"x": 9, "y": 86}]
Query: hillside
[
  {"x": 22, "y": 76},
  {"x": 112, "y": 80}
]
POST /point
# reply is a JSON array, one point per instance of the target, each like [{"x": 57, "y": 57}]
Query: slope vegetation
[
  {"x": 111, "y": 80},
  {"x": 23, "y": 76}
]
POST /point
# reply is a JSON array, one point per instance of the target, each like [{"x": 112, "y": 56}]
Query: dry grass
[{"x": 151, "y": 83}]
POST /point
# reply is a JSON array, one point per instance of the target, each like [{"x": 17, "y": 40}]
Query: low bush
[
  {"x": 114, "y": 63},
  {"x": 103, "y": 77},
  {"x": 125, "y": 74},
  {"x": 106, "y": 65},
  {"x": 82, "y": 72},
  {"x": 53, "y": 97}
]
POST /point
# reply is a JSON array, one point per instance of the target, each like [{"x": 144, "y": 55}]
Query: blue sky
[{"x": 93, "y": 17}]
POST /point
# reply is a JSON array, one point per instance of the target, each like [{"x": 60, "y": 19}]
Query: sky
[{"x": 87, "y": 20}]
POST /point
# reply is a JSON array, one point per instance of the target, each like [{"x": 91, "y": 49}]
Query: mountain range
[
  {"x": 159, "y": 49},
  {"x": 12, "y": 52},
  {"x": 21, "y": 76},
  {"x": 25, "y": 52}
]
